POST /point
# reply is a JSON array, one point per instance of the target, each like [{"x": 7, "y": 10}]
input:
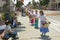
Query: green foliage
[
  {"x": 4, "y": 15},
  {"x": 44, "y": 2},
  {"x": 5, "y": 7},
  {"x": 29, "y": 3},
  {"x": 19, "y": 4},
  {"x": 41, "y": 2}
]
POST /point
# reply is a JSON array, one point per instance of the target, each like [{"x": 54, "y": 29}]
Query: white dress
[{"x": 42, "y": 18}]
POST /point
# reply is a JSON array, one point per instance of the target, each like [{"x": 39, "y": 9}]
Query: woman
[
  {"x": 36, "y": 19},
  {"x": 43, "y": 19}
]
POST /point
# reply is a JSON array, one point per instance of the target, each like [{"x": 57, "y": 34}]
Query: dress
[
  {"x": 36, "y": 21},
  {"x": 42, "y": 20},
  {"x": 32, "y": 19}
]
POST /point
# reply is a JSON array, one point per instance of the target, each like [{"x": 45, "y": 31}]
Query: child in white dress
[{"x": 42, "y": 22}]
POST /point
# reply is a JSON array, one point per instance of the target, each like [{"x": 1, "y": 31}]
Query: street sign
[{"x": 14, "y": 1}]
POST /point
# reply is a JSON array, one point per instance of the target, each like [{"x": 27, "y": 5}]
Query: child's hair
[
  {"x": 15, "y": 17},
  {"x": 7, "y": 22},
  {"x": 41, "y": 12}
]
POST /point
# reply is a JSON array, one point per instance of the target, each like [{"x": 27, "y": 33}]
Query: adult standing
[
  {"x": 14, "y": 4},
  {"x": 19, "y": 6}
]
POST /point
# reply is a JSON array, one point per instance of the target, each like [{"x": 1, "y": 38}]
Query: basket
[{"x": 46, "y": 25}]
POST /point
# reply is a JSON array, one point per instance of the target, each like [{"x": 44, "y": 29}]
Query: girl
[
  {"x": 36, "y": 19},
  {"x": 32, "y": 19},
  {"x": 29, "y": 15},
  {"x": 43, "y": 19}
]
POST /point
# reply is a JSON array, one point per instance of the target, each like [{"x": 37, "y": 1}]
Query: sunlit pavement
[{"x": 28, "y": 32}]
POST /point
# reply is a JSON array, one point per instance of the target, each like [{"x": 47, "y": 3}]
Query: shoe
[
  {"x": 16, "y": 38},
  {"x": 36, "y": 28}
]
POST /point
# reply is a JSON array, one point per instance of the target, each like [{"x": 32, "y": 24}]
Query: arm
[{"x": 47, "y": 20}]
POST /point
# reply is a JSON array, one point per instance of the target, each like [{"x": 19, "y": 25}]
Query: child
[
  {"x": 9, "y": 32},
  {"x": 29, "y": 15},
  {"x": 36, "y": 19},
  {"x": 43, "y": 19},
  {"x": 32, "y": 19},
  {"x": 15, "y": 22}
]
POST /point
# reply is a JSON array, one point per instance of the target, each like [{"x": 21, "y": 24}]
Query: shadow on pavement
[
  {"x": 43, "y": 38},
  {"x": 20, "y": 28}
]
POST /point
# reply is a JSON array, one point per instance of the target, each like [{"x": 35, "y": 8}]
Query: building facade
[{"x": 54, "y": 4}]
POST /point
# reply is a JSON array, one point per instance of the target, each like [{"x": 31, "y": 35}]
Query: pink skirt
[{"x": 33, "y": 21}]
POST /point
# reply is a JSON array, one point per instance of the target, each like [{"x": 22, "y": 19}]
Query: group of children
[
  {"x": 34, "y": 20},
  {"x": 9, "y": 30}
]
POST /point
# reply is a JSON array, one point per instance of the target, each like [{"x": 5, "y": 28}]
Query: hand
[{"x": 49, "y": 22}]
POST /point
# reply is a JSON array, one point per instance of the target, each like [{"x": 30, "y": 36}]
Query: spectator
[
  {"x": 2, "y": 27},
  {"x": 15, "y": 22},
  {"x": 9, "y": 32}
]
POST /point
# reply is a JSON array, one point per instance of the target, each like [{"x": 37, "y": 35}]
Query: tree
[
  {"x": 29, "y": 3},
  {"x": 7, "y": 13},
  {"x": 19, "y": 4},
  {"x": 44, "y": 2},
  {"x": 6, "y": 6}
]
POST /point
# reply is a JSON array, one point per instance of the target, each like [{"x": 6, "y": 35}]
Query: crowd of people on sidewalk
[{"x": 34, "y": 16}]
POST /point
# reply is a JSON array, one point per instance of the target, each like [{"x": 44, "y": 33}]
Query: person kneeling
[{"x": 9, "y": 32}]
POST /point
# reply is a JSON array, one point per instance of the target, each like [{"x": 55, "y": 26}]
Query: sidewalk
[
  {"x": 28, "y": 32},
  {"x": 50, "y": 12}
]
